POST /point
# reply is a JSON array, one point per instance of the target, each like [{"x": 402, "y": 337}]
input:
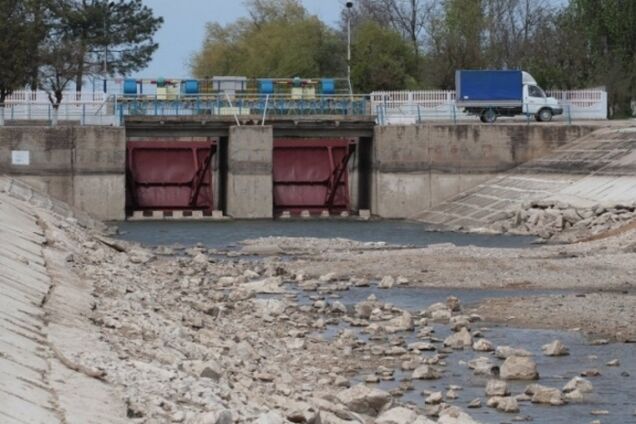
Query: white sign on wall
[{"x": 20, "y": 157}]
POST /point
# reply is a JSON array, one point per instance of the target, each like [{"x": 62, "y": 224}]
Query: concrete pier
[{"x": 249, "y": 180}]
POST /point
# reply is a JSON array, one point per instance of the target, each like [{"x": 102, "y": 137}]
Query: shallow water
[
  {"x": 225, "y": 234},
  {"x": 613, "y": 392}
]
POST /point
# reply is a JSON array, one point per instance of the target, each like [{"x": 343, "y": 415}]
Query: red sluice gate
[
  {"x": 312, "y": 174},
  {"x": 170, "y": 175}
]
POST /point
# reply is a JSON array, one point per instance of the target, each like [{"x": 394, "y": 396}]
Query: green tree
[
  {"x": 18, "y": 41},
  {"x": 113, "y": 37},
  {"x": 280, "y": 40},
  {"x": 609, "y": 28},
  {"x": 382, "y": 59}
]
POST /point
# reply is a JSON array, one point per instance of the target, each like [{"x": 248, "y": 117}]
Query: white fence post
[{"x": 407, "y": 107}]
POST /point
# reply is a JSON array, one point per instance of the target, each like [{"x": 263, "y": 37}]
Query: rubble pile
[{"x": 551, "y": 219}]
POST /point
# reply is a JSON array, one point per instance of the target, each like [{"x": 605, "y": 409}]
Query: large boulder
[
  {"x": 504, "y": 352},
  {"x": 217, "y": 417},
  {"x": 497, "y": 388},
  {"x": 519, "y": 368},
  {"x": 399, "y": 415},
  {"x": 504, "y": 404},
  {"x": 556, "y": 348},
  {"x": 578, "y": 383},
  {"x": 483, "y": 366},
  {"x": 364, "y": 400},
  {"x": 402, "y": 323},
  {"x": 271, "y": 417},
  {"x": 271, "y": 285},
  {"x": 483, "y": 345},
  {"x": 459, "y": 340},
  {"x": 545, "y": 395},
  {"x": 425, "y": 372},
  {"x": 454, "y": 415},
  {"x": 387, "y": 282}
]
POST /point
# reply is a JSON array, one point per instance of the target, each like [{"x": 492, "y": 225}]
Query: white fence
[
  {"x": 87, "y": 108},
  {"x": 407, "y": 107}
]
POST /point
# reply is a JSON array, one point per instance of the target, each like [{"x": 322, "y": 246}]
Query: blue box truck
[{"x": 490, "y": 94}]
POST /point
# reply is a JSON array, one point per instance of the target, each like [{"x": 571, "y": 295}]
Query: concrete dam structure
[{"x": 186, "y": 167}]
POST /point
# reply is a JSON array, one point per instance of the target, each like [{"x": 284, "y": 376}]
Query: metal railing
[
  {"x": 79, "y": 113},
  {"x": 406, "y": 114},
  {"x": 403, "y": 107},
  {"x": 243, "y": 105}
]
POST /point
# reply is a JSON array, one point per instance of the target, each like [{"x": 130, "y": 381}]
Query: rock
[
  {"x": 591, "y": 373},
  {"x": 519, "y": 368},
  {"x": 306, "y": 414},
  {"x": 453, "y": 304},
  {"x": 327, "y": 278},
  {"x": 580, "y": 384},
  {"x": 386, "y": 282},
  {"x": 574, "y": 396},
  {"x": 497, "y": 388},
  {"x": 217, "y": 417},
  {"x": 399, "y": 415},
  {"x": 483, "y": 345},
  {"x": 556, "y": 348},
  {"x": 453, "y": 415},
  {"x": 402, "y": 323},
  {"x": 475, "y": 403},
  {"x": 365, "y": 308},
  {"x": 545, "y": 395},
  {"x": 458, "y": 322},
  {"x": 271, "y": 417},
  {"x": 425, "y": 372},
  {"x": 271, "y": 285},
  {"x": 441, "y": 316},
  {"x": 504, "y": 352},
  {"x": 483, "y": 366},
  {"x": 459, "y": 340},
  {"x": 341, "y": 381},
  {"x": 338, "y": 307},
  {"x": 204, "y": 369},
  {"x": 434, "y": 398},
  {"x": 364, "y": 400},
  {"x": 504, "y": 404},
  {"x": 272, "y": 307},
  {"x": 614, "y": 363},
  {"x": 451, "y": 394}
]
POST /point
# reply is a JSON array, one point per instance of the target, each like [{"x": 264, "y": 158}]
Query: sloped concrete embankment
[
  {"x": 596, "y": 172},
  {"x": 42, "y": 310}
]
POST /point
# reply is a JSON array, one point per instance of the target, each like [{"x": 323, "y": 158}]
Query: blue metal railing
[{"x": 223, "y": 105}]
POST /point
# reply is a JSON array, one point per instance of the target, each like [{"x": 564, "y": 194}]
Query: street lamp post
[{"x": 349, "y": 7}]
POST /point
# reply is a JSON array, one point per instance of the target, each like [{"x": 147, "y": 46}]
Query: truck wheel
[
  {"x": 488, "y": 116},
  {"x": 544, "y": 115}
]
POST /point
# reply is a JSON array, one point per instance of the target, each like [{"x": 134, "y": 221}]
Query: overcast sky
[{"x": 184, "y": 28}]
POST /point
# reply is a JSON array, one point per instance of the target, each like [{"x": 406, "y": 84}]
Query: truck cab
[{"x": 536, "y": 102}]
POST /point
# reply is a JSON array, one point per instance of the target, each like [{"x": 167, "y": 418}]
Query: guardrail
[
  {"x": 86, "y": 113},
  {"x": 404, "y": 107},
  {"x": 242, "y": 105},
  {"x": 406, "y": 114}
]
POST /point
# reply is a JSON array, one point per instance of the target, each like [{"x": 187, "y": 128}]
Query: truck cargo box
[{"x": 492, "y": 88}]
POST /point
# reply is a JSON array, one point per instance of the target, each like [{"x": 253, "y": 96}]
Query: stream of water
[
  {"x": 225, "y": 234},
  {"x": 614, "y": 389}
]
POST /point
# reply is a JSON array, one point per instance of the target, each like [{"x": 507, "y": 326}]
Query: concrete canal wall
[
  {"x": 82, "y": 166},
  {"x": 416, "y": 167},
  {"x": 398, "y": 173}
]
